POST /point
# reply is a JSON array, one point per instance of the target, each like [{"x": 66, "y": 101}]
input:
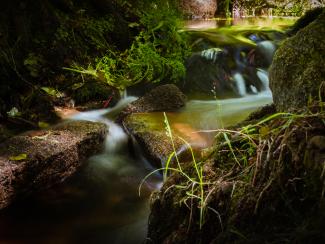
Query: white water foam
[
  {"x": 240, "y": 82},
  {"x": 263, "y": 75},
  {"x": 117, "y": 139}
]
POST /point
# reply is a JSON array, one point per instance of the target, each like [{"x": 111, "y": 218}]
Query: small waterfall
[
  {"x": 263, "y": 75},
  {"x": 117, "y": 139},
  {"x": 124, "y": 94},
  {"x": 116, "y": 159},
  {"x": 240, "y": 82},
  {"x": 211, "y": 54}
]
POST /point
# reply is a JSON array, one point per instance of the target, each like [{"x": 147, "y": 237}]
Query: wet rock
[
  {"x": 40, "y": 159},
  {"x": 152, "y": 138},
  {"x": 162, "y": 98},
  {"x": 298, "y": 70},
  {"x": 206, "y": 74},
  {"x": 149, "y": 133},
  {"x": 264, "y": 54}
]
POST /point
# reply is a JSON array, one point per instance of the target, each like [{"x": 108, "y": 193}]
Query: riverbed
[{"x": 101, "y": 203}]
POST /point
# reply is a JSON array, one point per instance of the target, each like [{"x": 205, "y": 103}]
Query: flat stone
[{"x": 38, "y": 160}]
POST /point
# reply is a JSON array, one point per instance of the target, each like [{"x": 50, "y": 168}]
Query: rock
[
  {"x": 264, "y": 54},
  {"x": 39, "y": 159},
  {"x": 206, "y": 74},
  {"x": 305, "y": 20},
  {"x": 147, "y": 130},
  {"x": 151, "y": 137},
  {"x": 40, "y": 108},
  {"x": 199, "y": 8},
  {"x": 316, "y": 153},
  {"x": 254, "y": 203},
  {"x": 298, "y": 70},
  {"x": 93, "y": 91},
  {"x": 162, "y": 98},
  {"x": 150, "y": 133}
]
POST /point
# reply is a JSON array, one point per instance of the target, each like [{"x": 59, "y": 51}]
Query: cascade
[
  {"x": 240, "y": 82},
  {"x": 264, "y": 77}
]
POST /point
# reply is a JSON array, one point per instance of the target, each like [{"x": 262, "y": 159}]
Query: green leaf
[
  {"x": 50, "y": 91},
  {"x": 134, "y": 24},
  {"x": 19, "y": 157}
]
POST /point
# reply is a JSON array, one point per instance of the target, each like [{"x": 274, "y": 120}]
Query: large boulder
[
  {"x": 37, "y": 160},
  {"x": 270, "y": 192},
  {"x": 298, "y": 67}
]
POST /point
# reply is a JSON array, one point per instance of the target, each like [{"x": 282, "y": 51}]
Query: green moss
[
  {"x": 93, "y": 91},
  {"x": 297, "y": 72},
  {"x": 141, "y": 122}
]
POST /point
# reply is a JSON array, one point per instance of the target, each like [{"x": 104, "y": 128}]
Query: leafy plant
[{"x": 156, "y": 54}]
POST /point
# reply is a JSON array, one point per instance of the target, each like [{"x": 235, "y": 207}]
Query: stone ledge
[{"x": 51, "y": 156}]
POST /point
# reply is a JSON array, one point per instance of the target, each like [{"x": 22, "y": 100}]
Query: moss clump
[{"x": 297, "y": 71}]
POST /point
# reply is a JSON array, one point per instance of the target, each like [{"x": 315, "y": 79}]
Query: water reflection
[{"x": 259, "y": 22}]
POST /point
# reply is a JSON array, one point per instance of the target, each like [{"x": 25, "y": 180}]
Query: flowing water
[{"x": 100, "y": 204}]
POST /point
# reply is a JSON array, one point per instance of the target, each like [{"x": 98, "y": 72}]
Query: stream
[{"x": 100, "y": 204}]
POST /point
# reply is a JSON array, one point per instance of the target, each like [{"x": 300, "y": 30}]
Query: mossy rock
[
  {"x": 298, "y": 69},
  {"x": 95, "y": 91},
  {"x": 151, "y": 136},
  {"x": 209, "y": 77},
  {"x": 271, "y": 194},
  {"x": 305, "y": 20}
]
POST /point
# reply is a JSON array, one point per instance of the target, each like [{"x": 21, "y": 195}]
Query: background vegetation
[{"x": 116, "y": 43}]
